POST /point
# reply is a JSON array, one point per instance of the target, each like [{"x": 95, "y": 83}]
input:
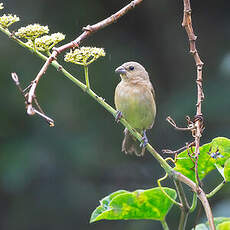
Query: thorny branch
[
  {"x": 24, "y": 93},
  {"x": 175, "y": 152},
  {"x": 187, "y": 24},
  {"x": 195, "y": 126},
  {"x": 190, "y": 126},
  {"x": 201, "y": 194},
  {"x": 88, "y": 30},
  {"x": 198, "y": 120}
]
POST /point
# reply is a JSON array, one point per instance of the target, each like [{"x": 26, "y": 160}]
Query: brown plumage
[{"x": 135, "y": 99}]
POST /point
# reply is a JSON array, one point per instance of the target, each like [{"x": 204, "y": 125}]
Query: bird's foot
[
  {"x": 118, "y": 116},
  {"x": 144, "y": 140}
]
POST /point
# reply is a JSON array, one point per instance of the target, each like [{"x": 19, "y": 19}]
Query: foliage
[
  {"x": 213, "y": 155},
  {"x": 221, "y": 223},
  {"x": 140, "y": 204}
]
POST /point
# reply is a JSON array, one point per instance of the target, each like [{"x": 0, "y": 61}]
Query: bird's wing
[
  {"x": 152, "y": 90},
  {"x": 154, "y": 95}
]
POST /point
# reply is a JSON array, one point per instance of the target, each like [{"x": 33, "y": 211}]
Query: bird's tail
[{"x": 131, "y": 145}]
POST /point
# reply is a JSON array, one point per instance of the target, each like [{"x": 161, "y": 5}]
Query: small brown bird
[{"x": 135, "y": 101}]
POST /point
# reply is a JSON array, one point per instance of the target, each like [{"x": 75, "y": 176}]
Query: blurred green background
[{"x": 53, "y": 178}]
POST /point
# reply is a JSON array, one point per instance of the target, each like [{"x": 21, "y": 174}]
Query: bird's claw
[
  {"x": 144, "y": 140},
  {"x": 118, "y": 116}
]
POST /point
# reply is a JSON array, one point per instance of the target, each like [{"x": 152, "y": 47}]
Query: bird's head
[{"x": 132, "y": 70}]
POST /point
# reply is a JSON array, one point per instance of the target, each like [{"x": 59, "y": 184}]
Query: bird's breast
[{"x": 137, "y": 104}]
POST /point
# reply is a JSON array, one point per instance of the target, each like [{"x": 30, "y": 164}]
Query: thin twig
[
  {"x": 87, "y": 77},
  {"x": 34, "y": 83},
  {"x": 198, "y": 215},
  {"x": 185, "y": 206},
  {"x": 173, "y": 123},
  {"x": 217, "y": 189},
  {"x": 198, "y": 120},
  {"x": 190, "y": 155},
  {"x": 27, "y": 88},
  {"x": 38, "y": 106},
  {"x": 48, "y": 119},
  {"x": 187, "y": 24},
  {"x": 17, "y": 83},
  {"x": 194, "y": 203},
  {"x": 201, "y": 195},
  {"x": 180, "y": 205},
  {"x": 164, "y": 225},
  {"x": 88, "y": 30},
  {"x": 25, "y": 95},
  {"x": 168, "y": 151}
]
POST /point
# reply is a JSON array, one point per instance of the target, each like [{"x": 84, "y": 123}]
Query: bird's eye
[{"x": 131, "y": 67}]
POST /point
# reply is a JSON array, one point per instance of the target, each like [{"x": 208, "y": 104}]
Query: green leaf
[
  {"x": 219, "y": 148},
  {"x": 140, "y": 204},
  {"x": 219, "y": 220},
  {"x": 105, "y": 204},
  {"x": 227, "y": 170},
  {"x": 224, "y": 226},
  {"x": 221, "y": 223}
]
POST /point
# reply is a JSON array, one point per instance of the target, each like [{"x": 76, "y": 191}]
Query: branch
[
  {"x": 88, "y": 30},
  {"x": 217, "y": 189},
  {"x": 24, "y": 93},
  {"x": 185, "y": 206},
  {"x": 201, "y": 195},
  {"x": 164, "y": 225},
  {"x": 175, "y": 152},
  {"x": 187, "y": 24},
  {"x": 194, "y": 203},
  {"x": 198, "y": 121},
  {"x": 190, "y": 126}
]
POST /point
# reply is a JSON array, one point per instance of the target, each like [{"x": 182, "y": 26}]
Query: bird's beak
[{"x": 120, "y": 70}]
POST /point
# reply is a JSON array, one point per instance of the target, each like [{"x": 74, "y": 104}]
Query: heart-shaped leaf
[
  {"x": 140, "y": 204},
  {"x": 212, "y": 156}
]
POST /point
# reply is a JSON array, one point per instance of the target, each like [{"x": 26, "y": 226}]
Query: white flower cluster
[
  {"x": 47, "y": 42},
  {"x": 31, "y": 32},
  {"x": 84, "y": 55},
  {"x": 7, "y": 20}
]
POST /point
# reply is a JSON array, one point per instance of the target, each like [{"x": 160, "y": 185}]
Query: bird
[{"x": 135, "y": 101}]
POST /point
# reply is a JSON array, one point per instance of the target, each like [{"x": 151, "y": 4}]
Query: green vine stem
[
  {"x": 86, "y": 69},
  {"x": 159, "y": 184},
  {"x": 183, "y": 220},
  {"x": 194, "y": 203},
  {"x": 215, "y": 190},
  {"x": 184, "y": 207},
  {"x": 201, "y": 195},
  {"x": 164, "y": 225}
]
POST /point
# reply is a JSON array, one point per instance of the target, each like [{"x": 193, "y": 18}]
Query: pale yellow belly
[{"x": 137, "y": 106}]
